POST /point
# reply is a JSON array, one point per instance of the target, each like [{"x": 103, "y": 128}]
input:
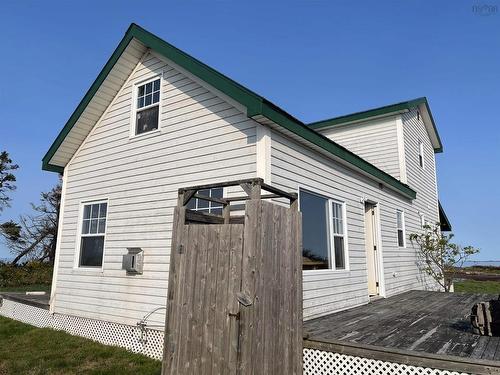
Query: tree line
[{"x": 33, "y": 236}]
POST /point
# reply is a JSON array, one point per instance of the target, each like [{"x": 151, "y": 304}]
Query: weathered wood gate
[{"x": 235, "y": 286}]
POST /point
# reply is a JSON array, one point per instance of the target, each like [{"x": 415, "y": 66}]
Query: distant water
[{"x": 470, "y": 263}]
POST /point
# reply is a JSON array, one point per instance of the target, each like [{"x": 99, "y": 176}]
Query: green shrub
[{"x": 26, "y": 274}]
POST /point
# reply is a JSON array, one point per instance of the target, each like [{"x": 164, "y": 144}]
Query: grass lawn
[
  {"x": 26, "y": 288},
  {"x": 25, "y": 349},
  {"x": 473, "y": 286}
]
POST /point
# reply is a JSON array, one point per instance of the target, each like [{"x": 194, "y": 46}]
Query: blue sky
[{"x": 316, "y": 59}]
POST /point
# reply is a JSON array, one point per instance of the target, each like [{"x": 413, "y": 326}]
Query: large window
[
  {"x": 203, "y": 205},
  {"x": 400, "y": 219},
  {"x": 92, "y": 234},
  {"x": 147, "y": 107},
  {"x": 323, "y": 232}
]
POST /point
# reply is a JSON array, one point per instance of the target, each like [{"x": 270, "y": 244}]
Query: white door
[{"x": 371, "y": 249}]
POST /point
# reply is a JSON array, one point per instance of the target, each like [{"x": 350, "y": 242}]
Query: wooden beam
[
  {"x": 211, "y": 199},
  {"x": 245, "y": 198},
  {"x": 187, "y": 195}
]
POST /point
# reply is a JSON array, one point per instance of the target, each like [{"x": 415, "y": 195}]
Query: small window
[
  {"x": 323, "y": 232},
  {"x": 423, "y": 222},
  {"x": 92, "y": 234},
  {"x": 197, "y": 204},
  {"x": 147, "y": 107},
  {"x": 401, "y": 228},
  {"x": 338, "y": 234},
  {"x": 421, "y": 154}
]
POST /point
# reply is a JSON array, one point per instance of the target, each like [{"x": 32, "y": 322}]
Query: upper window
[
  {"x": 400, "y": 219},
  {"x": 147, "y": 107},
  {"x": 198, "y": 204},
  {"x": 323, "y": 232},
  {"x": 92, "y": 234},
  {"x": 421, "y": 154}
]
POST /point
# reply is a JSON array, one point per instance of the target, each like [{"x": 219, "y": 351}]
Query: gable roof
[
  {"x": 421, "y": 103},
  {"x": 124, "y": 59}
]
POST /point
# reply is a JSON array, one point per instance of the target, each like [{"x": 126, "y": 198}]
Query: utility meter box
[{"x": 133, "y": 261}]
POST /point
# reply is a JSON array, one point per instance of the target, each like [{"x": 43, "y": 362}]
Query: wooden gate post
[{"x": 234, "y": 302}]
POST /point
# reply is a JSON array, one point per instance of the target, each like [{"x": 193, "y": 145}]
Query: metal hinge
[
  {"x": 180, "y": 249},
  {"x": 376, "y": 284},
  {"x": 375, "y": 248}
]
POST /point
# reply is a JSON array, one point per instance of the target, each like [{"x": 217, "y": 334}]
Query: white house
[{"x": 156, "y": 119}]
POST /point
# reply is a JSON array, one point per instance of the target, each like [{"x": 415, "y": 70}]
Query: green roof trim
[
  {"x": 443, "y": 219},
  {"x": 255, "y": 104},
  {"x": 380, "y": 111}
]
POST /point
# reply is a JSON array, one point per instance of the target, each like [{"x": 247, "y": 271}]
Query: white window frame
[
  {"x": 403, "y": 228},
  {"x": 422, "y": 221},
  {"x": 330, "y": 234},
  {"x": 210, "y": 203},
  {"x": 133, "y": 117},
  {"x": 421, "y": 154},
  {"x": 79, "y": 236}
]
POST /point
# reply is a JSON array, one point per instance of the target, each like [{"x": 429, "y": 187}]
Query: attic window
[{"x": 147, "y": 107}]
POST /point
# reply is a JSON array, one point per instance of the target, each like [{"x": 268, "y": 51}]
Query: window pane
[
  {"x": 93, "y": 226},
  {"x": 140, "y": 102},
  {"x": 216, "y": 192},
  {"x": 156, "y": 85},
  {"x": 102, "y": 209},
  {"x": 399, "y": 218},
  {"x": 401, "y": 241},
  {"x": 148, "y": 99},
  {"x": 95, "y": 211},
  {"x": 315, "y": 250},
  {"x": 147, "y": 120},
  {"x": 149, "y": 88},
  {"x": 339, "y": 252},
  {"x": 91, "y": 251},
  {"x": 140, "y": 92},
  {"x": 191, "y": 204},
  {"x": 156, "y": 97},
  {"x": 86, "y": 211},
  {"x": 86, "y": 226},
  {"x": 101, "y": 226}
]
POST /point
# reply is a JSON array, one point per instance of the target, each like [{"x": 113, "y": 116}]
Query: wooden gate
[{"x": 235, "y": 289}]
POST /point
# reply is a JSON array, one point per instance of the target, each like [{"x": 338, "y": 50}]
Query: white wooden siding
[
  {"x": 375, "y": 141},
  {"x": 202, "y": 139},
  {"x": 294, "y": 165},
  {"x": 423, "y": 180}
]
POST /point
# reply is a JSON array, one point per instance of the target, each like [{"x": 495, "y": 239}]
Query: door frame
[{"x": 380, "y": 254}]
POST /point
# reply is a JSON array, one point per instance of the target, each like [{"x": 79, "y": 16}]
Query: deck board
[{"x": 419, "y": 321}]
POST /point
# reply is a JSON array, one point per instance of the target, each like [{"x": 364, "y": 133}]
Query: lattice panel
[
  {"x": 148, "y": 342},
  {"x": 319, "y": 362}
]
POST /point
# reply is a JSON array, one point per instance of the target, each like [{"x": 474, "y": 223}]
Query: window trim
[
  {"x": 423, "y": 222},
  {"x": 403, "y": 223},
  {"x": 421, "y": 155},
  {"x": 330, "y": 234},
  {"x": 134, "y": 109},
  {"x": 76, "y": 264}
]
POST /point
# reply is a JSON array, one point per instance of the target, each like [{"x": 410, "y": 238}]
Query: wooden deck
[
  {"x": 414, "y": 324},
  {"x": 41, "y": 301}
]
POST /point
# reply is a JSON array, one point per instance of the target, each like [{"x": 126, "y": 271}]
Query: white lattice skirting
[
  {"x": 148, "y": 342},
  {"x": 319, "y": 362}
]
